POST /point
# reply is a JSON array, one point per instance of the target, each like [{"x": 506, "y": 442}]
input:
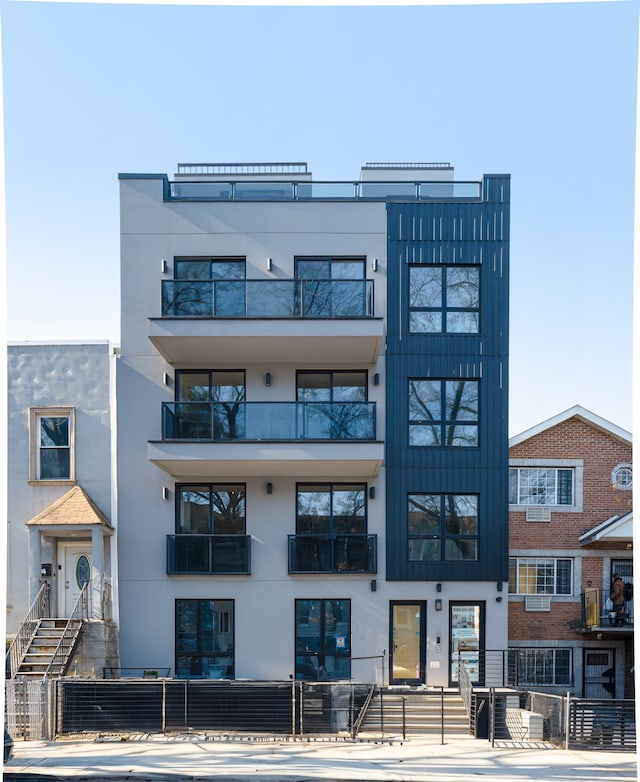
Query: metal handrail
[
  {"x": 363, "y": 712},
  {"x": 71, "y": 631},
  {"x": 38, "y": 610},
  {"x": 465, "y": 686}
]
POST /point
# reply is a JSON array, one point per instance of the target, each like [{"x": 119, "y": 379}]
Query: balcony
[
  {"x": 598, "y": 617},
  {"x": 251, "y": 321},
  {"x": 332, "y": 554},
  {"x": 208, "y": 555},
  {"x": 296, "y": 439},
  {"x": 270, "y": 421}
]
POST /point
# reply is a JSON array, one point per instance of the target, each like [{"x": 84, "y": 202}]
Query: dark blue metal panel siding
[{"x": 444, "y": 233}]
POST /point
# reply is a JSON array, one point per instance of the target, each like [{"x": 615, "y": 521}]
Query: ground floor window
[
  {"x": 205, "y": 639},
  {"x": 323, "y": 639},
  {"x": 544, "y": 666}
]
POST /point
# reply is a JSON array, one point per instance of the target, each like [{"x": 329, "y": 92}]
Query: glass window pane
[
  {"x": 55, "y": 463},
  {"x": 461, "y": 514},
  {"x": 193, "y": 386},
  {"x": 313, "y": 269},
  {"x": 425, "y": 403},
  {"x": 457, "y": 550},
  {"x": 462, "y": 400},
  {"x": 228, "y": 386},
  {"x": 424, "y": 514},
  {"x": 421, "y": 550},
  {"x": 347, "y": 270},
  {"x": 314, "y": 509},
  {"x": 424, "y": 434},
  {"x": 192, "y": 270},
  {"x": 350, "y": 387},
  {"x": 194, "y": 510},
  {"x": 337, "y": 623},
  {"x": 461, "y": 436},
  {"x": 565, "y": 487},
  {"x": 228, "y": 510},
  {"x": 336, "y": 667},
  {"x": 463, "y": 286},
  {"x": 564, "y": 572},
  {"x": 425, "y": 322},
  {"x": 54, "y": 430},
  {"x": 227, "y": 270},
  {"x": 513, "y": 487},
  {"x": 207, "y": 626},
  {"x": 186, "y": 625},
  {"x": 463, "y": 322},
  {"x": 425, "y": 287},
  {"x": 349, "y": 505},
  {"x": 307, "y": 626},
  {"x": 229, "y": 299},
  {"x": 314, "y": 387}
]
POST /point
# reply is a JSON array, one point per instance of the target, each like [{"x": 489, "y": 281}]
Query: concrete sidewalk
[{"x": 215, "y": 758}]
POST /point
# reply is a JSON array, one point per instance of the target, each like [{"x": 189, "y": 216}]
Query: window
[
  {"x": 533, "y": 576},
  {"x": 332, "y": 287},
  {"x": 205, "y": 639},
  {"x": 443, "y": 412},
  {"x": 52, "y": 444},
  {"x": 210, "y": 399},
  {"x": 205, "y": 287},
  {"x": 443, "y": 527},
  {"x": 444, "y": 299},
  {"x": 541, "y": 486},
  {"x": 335, "y": 405},
  {"x": 544, "y": 666},
  {"x": 323, "y": 639},
  {"x": 622, "y": 477}
]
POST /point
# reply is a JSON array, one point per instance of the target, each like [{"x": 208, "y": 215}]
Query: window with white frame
[
  {"x": 622, "y": 476},
  {"x": 544, "y": 666},
  {"x": 541, "y": 486},
  {"x": 540, "y": 576},
  {"x": 52, "y": 444}
]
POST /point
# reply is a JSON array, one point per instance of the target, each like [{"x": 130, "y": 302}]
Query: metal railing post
[
  {"x": 404, "y": 717},
  {"x": 492, "y": 716},
  {"x": 381, "y": 715},
  {"x": 442, "y": 715},
  {"x": 567, "y": 720}
]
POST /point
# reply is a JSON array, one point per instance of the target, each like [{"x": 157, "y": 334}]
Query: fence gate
[{"x": 26, "y": 704}]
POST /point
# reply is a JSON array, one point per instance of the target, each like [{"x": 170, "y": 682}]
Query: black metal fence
[{"x": 172, "y": 705}]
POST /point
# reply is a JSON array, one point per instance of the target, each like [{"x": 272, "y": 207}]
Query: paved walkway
[{"x": 416, "y": 760}]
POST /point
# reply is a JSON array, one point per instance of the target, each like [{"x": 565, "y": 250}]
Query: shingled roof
[{"x": 73, "y": 508}]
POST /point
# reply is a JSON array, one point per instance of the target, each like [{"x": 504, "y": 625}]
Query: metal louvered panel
[
  {"x": 538, "y": 513},
  {"x": 537, "y": 603}
]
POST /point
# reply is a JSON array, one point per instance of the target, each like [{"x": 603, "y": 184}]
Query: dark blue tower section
[{"x": 448, "y": 318}]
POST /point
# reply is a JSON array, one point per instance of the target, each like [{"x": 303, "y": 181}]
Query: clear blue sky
[{"x": 543, "y": 92}]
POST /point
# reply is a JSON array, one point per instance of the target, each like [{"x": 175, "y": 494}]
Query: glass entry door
[
  {"x": 407, "y": 643},
  {"x": 466, "y": 640}
]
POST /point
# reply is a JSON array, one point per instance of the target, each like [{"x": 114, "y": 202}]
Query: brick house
[{"x": 570, "y": 524}]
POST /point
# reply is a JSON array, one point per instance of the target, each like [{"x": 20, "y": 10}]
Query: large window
[
  {"x": 205, "y": 287},
  {"x": 537, "y": 576},
  {"x": 541, "y": 486},
  {"x": 332, "y": 287},
  {"x": 443, "y": 412},
  {"x": 52, "y": 457},
  {"x": 336, "y": 404},
  {"x": 211, "y": 400},
  {"x": 544, "y": 666},
  {"x": 323, "y": 639},
  {"x": 444, "y": 299},
  {"x": 205, "y": 639},
  {"x": 443, "y": 527}
]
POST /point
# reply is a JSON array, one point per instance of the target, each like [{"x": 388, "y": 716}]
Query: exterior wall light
[
  {"x": 372, "y": 492},
  {"x": 373, "y": 585},
  {"x": 165, "y": 492},
  {"x": 164, "y": 266},
  {"x": 267, "y": 379},
  {"x": 438, "y": 604},
  {"x": 438, "y": 587},
  {"x": 374, "y": 265},
  {"x": 269, "y": 264},
  {"x": 269, "y": 488},
  {"x": 376, "y": 379}
]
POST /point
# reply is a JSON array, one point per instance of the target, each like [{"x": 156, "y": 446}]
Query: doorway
[
  {"x": 599, "y": 673},
  {"x": 407, "y": 642},
  {"x": 75, "y": 570},
  {"x": 466, "y": 641}
]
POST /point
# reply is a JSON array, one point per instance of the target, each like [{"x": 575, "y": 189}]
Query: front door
[
  {"x": 407, "y": 642},
  {"x": 599, "y": 679},
  {"x": 466, "y": 641},
  {"x": 76, "y": 569}
]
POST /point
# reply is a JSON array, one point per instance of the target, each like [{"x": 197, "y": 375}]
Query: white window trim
[
  {"x": 554, "y": 596},
  {"x": 614, "y": 476},
  {"x": 577, "y": 465},
  {"x": 35, "y": 414}
]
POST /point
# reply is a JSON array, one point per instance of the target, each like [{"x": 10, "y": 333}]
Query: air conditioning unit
[
  {"x": 538, "y": 513},
  {"x": 537, "y": 603}
]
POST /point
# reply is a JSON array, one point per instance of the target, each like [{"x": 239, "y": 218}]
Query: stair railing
[
  {"x": 38, "y": 610},
  {"x": 363, "y": 712},
  {"x": 70, "y": 634}
]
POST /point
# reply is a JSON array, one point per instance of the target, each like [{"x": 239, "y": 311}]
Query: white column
[
  {"x": 97, "y": 579},
  {"x": 34, "y": 563}
]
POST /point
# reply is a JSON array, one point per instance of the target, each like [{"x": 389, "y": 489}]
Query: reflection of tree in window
[
  {"x": 224, "y": 390},
  {"x": 442, "y": 527},
  {"x": 55, "y": 451},
  {"x": 443, "y": 412},
  {"x": 345, "y": 414},
  {"x": 331, "y": 287},
  {"x": 444, "y": 299}
]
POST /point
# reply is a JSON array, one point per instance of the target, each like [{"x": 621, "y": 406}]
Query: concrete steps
[
  {"x": 422, "y": 713},
  {"x": 43, "y": 647}
]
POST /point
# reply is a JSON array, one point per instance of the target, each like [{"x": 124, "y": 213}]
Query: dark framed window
[
  {"x": 444, "y": 299},
  {"x": 541, "y": 486},
  {"x": 443, "y": 527},
  {"x": 539, "y": 666},
  {"x": 332, "y": 287},
  {"x": 205, "y": 646},
  {"x": 443, "y": 412},
  {"x": 205, "y": 287},
  {"x": 540, "y": 576},
  {"x": 323, "y": 639},
  {"x": 331, "y": 508},
  {"x": 211, "y": 403},
  {"x": 54, "y": 447},
  {"x": 331, "y": 385},
  {"x": 335, "y": 404},
  {"x": 211, "y": 509}
]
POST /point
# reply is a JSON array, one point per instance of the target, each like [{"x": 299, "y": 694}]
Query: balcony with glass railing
[
  {"x": 268, "y": 421},
  {"x": 313, "y": 553},
  {"x": 208, "y": 555}
]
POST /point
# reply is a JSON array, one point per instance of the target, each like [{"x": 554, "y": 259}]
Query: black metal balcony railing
[
  {"x": 597, "y": 611},
  {"x": 271, "y": 421},
  {"x": 217, "y": 555},
  {"x": 352, "y": 553},
  {"x": 267, "y": 298}
]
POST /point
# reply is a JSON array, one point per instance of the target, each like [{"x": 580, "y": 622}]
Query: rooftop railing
[
  {"x": 267, "y": 298},
  {"x": 324, "y": 191},
  {"x": 269, "y": 421}
]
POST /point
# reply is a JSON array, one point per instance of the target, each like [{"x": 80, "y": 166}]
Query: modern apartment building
[
  {"x": 571, "y": 532},
  {"x": 312, "y": 423}
]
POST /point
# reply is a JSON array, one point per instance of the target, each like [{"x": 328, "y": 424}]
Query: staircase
[
  {"x": 51, "y": 636},
  {"x": 423, "y": 712}
]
